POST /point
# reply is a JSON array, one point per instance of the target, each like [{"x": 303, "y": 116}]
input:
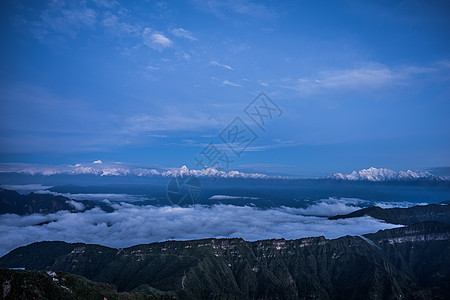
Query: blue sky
[{"x": 360, "y": 83}]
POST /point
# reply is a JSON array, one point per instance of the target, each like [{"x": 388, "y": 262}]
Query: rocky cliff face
[{"x": 402, "y": 263}]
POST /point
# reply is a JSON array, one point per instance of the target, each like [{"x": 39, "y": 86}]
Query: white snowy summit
[
  {"x": 212, "y": 172},
  {"x": 381, "y": 174}
]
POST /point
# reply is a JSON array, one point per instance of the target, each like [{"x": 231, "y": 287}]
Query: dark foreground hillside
[
  {"x": 404, "y": 263},
  {"x": 18, "y": 284}
]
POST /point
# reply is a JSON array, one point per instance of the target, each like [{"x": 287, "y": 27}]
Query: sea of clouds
[{"x": 131, "y": 224}]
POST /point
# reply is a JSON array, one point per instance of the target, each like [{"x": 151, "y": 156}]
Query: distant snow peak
[
  {"x": 381, "y": 174},
  {"x": 97, "y": 162},
  {"x": 212, "y": 172},
  {"x": 184, "y": 170}
]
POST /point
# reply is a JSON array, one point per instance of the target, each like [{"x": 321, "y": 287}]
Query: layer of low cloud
[
  {"x": 130, "y": 225},
  {"x": 226, "y": 197},
  {"x": 97, "y": 196},
  {"x": 115, "y": 26},
  {"x": 76, "y": 205}
]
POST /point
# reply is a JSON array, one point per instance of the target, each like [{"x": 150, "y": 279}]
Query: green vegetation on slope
[{"x": 18, "y": 284}]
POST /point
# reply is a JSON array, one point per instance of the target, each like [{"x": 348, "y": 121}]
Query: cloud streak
[
  {"x": 239, "y": 7},
  {"x": 226, "y": 82},
  {"x": 117, "y": 27},
  {"x": 172, "y": 121},
  {"x": 183, "y": 33},
  {"x": 369, "y": 77},
  {"x": 97, "y": 196},
  {"x": 68, "y": 20},
  {"x": 217, "y": 64}
]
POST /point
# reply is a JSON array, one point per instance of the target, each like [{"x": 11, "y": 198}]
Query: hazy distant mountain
[
  {"x": 404, "y": 216},
  {"x": 375, "y": 174},
  {"x": 402, "y": 263},
  {"x": 12, "y": 202}
]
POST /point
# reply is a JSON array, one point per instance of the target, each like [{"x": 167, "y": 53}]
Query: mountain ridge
[
  {"x": 403, "y": 216},
  {"x": 117, "y": 169},
  {"x": 99, "y": 168},
  {"x": 237, "y": 269},
  {"x": 14, "y": 203}
]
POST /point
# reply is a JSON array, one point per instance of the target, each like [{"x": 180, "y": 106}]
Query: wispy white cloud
[
  {"x": 239, "y": 48},
  {"x": 236, "y": 47},
  {"x": 158, "y": 135},
  {"x": 106, "y": 3},
  {"x": 107, "y": 198},
  {"x": 183, "y": 33},
  {"x": 240, "y": 7},
  {"x": 227, "y": 197},
  {"x": 161, "y": 40},
  {"x": 215, "y": 63},
  {"x": 152, "y": 68},
  {"x": 155, "y": 40},
  {"x": 113, "y": 24},
  {"x": 226, "y": 82},
  {"x": 64, "y": 18},
  {"x": 370, "y": 77},
  {"x": 265, "y": 147},
  {"x": 172, "y": 120}
]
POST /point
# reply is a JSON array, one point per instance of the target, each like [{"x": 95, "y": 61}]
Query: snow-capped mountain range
[
  {"x": 212, "y": 172},
  {"x": 118, "y": 169},
  {"x": 380, "y": 174},
  {"x": 98, "y": 168}
]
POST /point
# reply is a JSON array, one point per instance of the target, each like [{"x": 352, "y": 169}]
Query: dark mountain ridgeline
[
  {"x": 14, "y": 203},
  {"x": 403, "y": 263},
  {"x": 403, "y": 216}
]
